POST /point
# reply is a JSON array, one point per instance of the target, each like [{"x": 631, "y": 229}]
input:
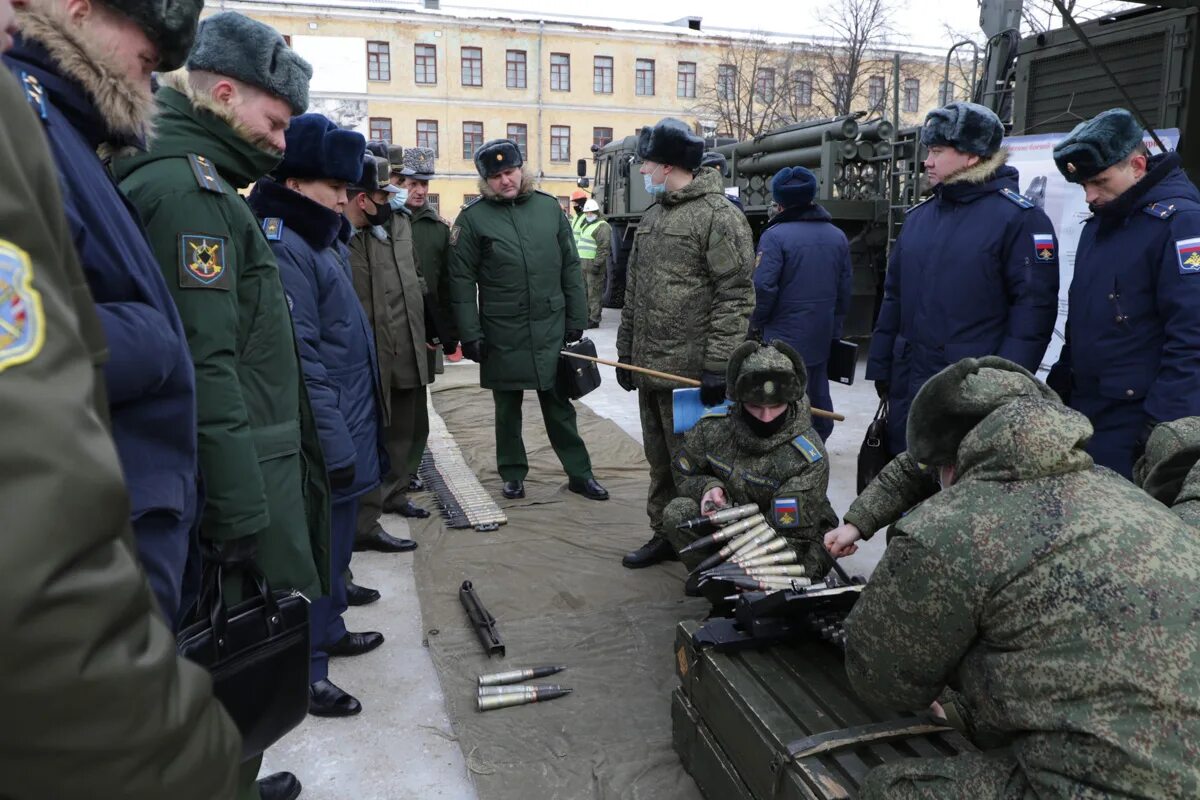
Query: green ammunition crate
[
  {"x": 700, "y": 754},
  {"x": 756, "y": 702}
]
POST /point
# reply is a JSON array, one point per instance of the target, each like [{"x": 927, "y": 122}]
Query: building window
[
  {"x": 560, "y": 72},
  {"x": 472, "y": 138},
  {"x": 519, "y": 133},
  {"x": 685, "y": 86},
  {"x": 912, "y": 95},
  {"x": 726, "y": 81},
  {"x": 425, "y": 69},
  {"x": 427, "y": 134},
  {"x": 435, "y": 202},
  {"x": 514, "y": 69},
  {"x": 644, "y": 82},
  {"x": 381, "y": 129},
  {"x": 804, "y": 81},
  {"x": 601, "y": 136},
  {"x": 379, "y": 61},
  {"x": 945, "y": 93},
  {"x": 602, "y": 74},
  {"x": 875, "y": 90},
  {"x": 560, "y": 143},
  {"x": 764, "y": 84},
  {"x": 839, "y": 88},
  {"x": 472, "y": 66},
  {"x": 468, "y": 198}
]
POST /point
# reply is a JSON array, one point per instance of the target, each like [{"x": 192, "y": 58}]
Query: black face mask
[
  {"x": 579, "y": 209},
  {"x": 764, "y": 430},
  {"x": 382, "y": 215}
]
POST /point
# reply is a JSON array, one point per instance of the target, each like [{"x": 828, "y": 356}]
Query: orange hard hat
[{"x": 579, "y": 194}]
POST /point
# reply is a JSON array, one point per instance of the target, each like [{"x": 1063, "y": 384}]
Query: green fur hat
[
  {"x": 1095, "y": 145},
  {"x": 957, "y": 399},
  {"x": 236, "y": 46},
  {"x": 767, "y": 375},
  {"x": 170, "y": 24}
]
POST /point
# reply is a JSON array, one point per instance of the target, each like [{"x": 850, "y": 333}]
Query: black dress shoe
[
  {"x": 360, "y": 595},
  {"x": 325, "y": 699},
  {"x": 415, "y": 484},
  {"x": 381, "y": 541},
  {"x": 355, "y": 644},
  {"x": 514, "y": 489},
  {"x": 280, "y": 786},
  {"x": 652, "y": 552},
  {"x": 405, "y": 509},
  {"x": 588, "y": 487}
]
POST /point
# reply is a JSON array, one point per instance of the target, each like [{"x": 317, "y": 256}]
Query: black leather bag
[
  {"x": 576, "y": 377},
  {"x": 873, "y": 456},
  {"x": 257, "y": 655}
]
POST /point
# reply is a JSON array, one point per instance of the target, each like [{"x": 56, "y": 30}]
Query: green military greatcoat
[{"x": 259, "y": 454}]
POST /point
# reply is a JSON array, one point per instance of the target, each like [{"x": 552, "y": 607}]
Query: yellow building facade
[{"x": 436, "y": 79}]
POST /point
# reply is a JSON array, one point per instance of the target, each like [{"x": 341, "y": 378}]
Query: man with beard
[
  {"x": 87, "y": 66},
  {"x": 1133, "y": 320},
  {"x": 221, "y": 126},
  {"x": 517, "y": 296}
]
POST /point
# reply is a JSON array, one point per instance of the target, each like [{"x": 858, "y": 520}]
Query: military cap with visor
[
  {"x": 419, "y": 163},
  {"x": 375, "y": 176},
  {"x": 1093, "y": 146},
  {"x": 233, "y": 45},
  {"x": 492, "y": 158}
]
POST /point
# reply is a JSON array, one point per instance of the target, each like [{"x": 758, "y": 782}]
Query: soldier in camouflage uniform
[
  {"x": 1055, "y": 599},
  {"x": 761, "y": 450},
  {"x": 1169, "y": 472},
  {"x": 688, "y": 297}
]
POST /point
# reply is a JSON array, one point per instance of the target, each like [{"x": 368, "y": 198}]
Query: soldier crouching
[{"x": 760, "y": 450}]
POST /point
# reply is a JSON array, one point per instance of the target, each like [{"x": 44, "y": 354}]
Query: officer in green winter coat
[
  {"x": 221, "y": 127},
  {"x": 514, "y": 247}
]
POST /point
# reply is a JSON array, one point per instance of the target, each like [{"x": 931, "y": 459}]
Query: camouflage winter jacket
[
  {"x": 1031, "y": 587},
  {"x": 688, "y": 292},
  {"x": 786, "y": 475},
  {"x": 1169, "y": 470}
]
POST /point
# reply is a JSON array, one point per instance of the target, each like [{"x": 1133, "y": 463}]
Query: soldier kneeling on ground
[
  {"x": 1055, "y": 600},
  {"x": 760, "y": 450}
]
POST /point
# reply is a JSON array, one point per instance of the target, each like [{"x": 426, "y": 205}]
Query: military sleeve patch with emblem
[
  {"x": 787, "y": 512},
  {"x": 202, "y": 262},
  {"x": 1188, "y": 251},
  {"x": 454, "y": 231},
  {"x": 1043, "y": 246},
  {"x": 22, "y": 323}
]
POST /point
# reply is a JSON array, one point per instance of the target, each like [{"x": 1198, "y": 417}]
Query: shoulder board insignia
[
  {"x": 1160, "y": 210},
  {"x": 786, "y": 511},
  {"x": 918, "y": 204},
  {"x": 543, "y": 191},
  {"x": 22, "y": 322},
  {"x": 202, "y": 262},
  {"x": 206, "y": 174},
  {"x": 807, "y": 449},
  {"x": 34, "y": 93},
  {"x": 273, "y": 228},
  {"x": 477, "y": 198},
  {"x": 1188, "y": 251},
  {"x": 1017, "y": 198},
  {"x": 718, "y": 412}
]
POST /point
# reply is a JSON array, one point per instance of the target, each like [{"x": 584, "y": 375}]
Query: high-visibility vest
[{"x": 585, "y": 244}]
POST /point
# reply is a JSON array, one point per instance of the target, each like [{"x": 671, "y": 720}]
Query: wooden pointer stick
[{"x": 816, "y": 412}]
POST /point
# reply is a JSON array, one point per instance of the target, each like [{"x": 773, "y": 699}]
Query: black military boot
[
  {"x": 280, "y": 786},
  {"x": 655, "y": 551}
]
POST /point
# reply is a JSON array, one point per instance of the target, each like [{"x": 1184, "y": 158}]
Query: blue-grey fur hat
[
  {"x": 1095, "y": 145},
  {"x": 316, "y": 148},
  {"x": 419, "y": 163},
  {"x": 234, "y": 45},
  {"x": 794, "y": 186},
  {"x": 496, "y": 156},
  {"x": 170, "y": 24},
  {"x": 717, "y": 161},
  {"x": 967, "y": 127},
  {"x": 671, "y": 142}
]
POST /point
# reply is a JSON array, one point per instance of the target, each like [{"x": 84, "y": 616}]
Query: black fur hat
[
  {"x": 967, "y": 127},
  {"x": 671, "y": 142},
  {"x": 496, "y": 156}
]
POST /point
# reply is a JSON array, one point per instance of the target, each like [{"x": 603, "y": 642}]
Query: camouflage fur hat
[
  {"x": 234, "y": 45},
  {"x": 766, "y": 374},
  {"x": 170, "y": 24},
  {"x": 1171, "y": 452},
  {"x": 957, "y": 399},
  {"x": 419, "y": 163}
]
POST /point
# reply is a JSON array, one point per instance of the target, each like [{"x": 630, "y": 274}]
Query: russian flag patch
[
  {"x": 1189, "y": 255},
  {"x": 787, "y": 512},
  {"x": 1043, "y": 245}
]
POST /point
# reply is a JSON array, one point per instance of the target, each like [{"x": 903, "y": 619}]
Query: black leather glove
[
  {"x": 341, "y": 478},
  {"x": 235, "y": 553},
  {"x": 625, "y": 378},
  {"x": 574, "y": 335},
  {"x": 712, "y": 388},
  {"x": 882, "y": 388},
  {"x": 474, "y": 350}
]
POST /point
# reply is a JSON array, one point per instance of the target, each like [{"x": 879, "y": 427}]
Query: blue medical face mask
[
  {"x": 397, "y": 200},
  {"x": 653, "y": 188}
]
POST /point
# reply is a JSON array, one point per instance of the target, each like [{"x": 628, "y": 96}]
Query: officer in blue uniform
[
  {"x": 974, "y": 271},
  {"x": 1132, "y": 357},
  {"x": 301, "y": 212},
  {"x": 85, "y": 105},
  {"x": 802, "y": 282}
]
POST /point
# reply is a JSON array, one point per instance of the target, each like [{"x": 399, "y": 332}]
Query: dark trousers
[
  {"x": 558, "y": 414},
  {"x": 398, "y": 438},
  {"x": 659, "y": 441},
  {"x": 163, "y": 541},
  {"x": 420, "y": 434},
  {"x": 818, "y": 396},
  {"x": 343, "y": 517},
  {"x": 1118, "y": 424}
]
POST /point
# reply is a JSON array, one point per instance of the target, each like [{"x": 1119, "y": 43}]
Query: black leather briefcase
[
  {"x": 257, "y": 655},
  {"x": 873, "y": 456},
  {"x": 577, "y": 377}
]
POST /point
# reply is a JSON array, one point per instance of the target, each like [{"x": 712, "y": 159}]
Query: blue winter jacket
[
  {"x": 336, "y": 348},
  {"x": 802, "y": 282},
  {"x": 1133, "y": 319},
  {"x": 974, "y": 272},
  {"x": 148, "y": 376}
]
